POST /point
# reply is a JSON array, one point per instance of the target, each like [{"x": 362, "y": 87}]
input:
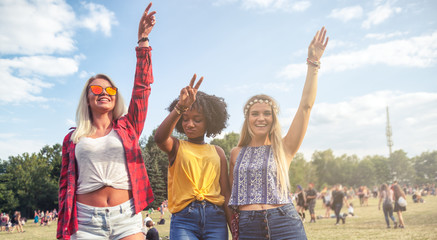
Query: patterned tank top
[{"x": 255, "y": 178}]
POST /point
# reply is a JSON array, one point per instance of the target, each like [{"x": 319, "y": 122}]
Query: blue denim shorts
[
  {"x": 107, "y": 222},
  {"x": 276, "y": 223},
  {"x": 199, "y": 220}
]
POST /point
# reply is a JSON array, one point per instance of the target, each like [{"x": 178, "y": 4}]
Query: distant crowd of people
[
  {"x": 391, "y": 197},
  {"x": 45, "y": 218},
  {"x": 11, "y": 223}
]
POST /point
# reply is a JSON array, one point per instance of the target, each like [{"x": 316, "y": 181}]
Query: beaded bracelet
[
  {"x": 314, "y": 63},
  {"x": 180, "y": 109}
]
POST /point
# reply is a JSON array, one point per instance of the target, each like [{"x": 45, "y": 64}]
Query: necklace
[{"x": 198, "y": 140}]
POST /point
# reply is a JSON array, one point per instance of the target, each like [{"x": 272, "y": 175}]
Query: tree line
[{"x": 30, "y": 181}]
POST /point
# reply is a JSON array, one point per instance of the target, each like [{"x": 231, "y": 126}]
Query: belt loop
[{"x": 281, "y": 211}]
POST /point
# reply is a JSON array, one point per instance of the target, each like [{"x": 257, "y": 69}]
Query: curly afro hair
[{"x": 214, "y": 110}]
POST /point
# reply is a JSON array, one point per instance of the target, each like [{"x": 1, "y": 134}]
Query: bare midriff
[
  {"x": 256, "y": 207},
  {"x": 105, "y": 197}
]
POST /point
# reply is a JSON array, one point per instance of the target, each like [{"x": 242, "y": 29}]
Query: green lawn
[{"x": 420, "y": 223}]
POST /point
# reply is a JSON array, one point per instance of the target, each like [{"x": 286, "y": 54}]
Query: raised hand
[
  {"x": 318, "y": 45},
  {"x": 146, "y": 23},
  {"x": 188, "y": 94}
]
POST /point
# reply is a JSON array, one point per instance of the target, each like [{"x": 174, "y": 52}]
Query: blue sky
[{"x": 380, "y": 53}]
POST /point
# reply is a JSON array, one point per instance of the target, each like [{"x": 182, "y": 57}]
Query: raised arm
[
  {"x": 187, "y": 97},
  {"x": 138, "y": 105},
  {"x": 147, "y": 22},
  {"x": 297, "y": 130}
]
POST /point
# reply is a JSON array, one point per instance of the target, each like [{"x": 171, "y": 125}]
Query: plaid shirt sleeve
[
  {"x": 140, "y": 94},
  {"x": 66, "y": 222},
  {"x": 133, "y": 123}
]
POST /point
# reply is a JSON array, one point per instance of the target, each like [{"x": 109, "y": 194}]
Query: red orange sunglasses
[{"x": 97, "y": 90}]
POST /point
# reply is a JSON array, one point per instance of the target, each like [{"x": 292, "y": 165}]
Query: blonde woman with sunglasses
[
  {"x": 104, "y": 185},
  {"x": 259, "y": 164}
]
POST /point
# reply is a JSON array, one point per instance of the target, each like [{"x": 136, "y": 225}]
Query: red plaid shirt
[{"x": 129, "y": 128}]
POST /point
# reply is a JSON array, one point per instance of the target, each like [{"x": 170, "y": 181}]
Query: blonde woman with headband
[
  {"x": 104, "y": 185},
  {"x": 259, "y": 164}
]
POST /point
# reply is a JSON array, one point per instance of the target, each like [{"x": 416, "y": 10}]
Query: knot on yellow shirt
[{"x": 200, "y": 195}]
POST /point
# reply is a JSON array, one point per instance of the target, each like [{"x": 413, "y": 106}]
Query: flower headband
[{"x": 275, "y": 108}]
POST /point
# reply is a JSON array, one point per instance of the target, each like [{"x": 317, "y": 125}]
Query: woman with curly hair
[
  {"x": 259, "y": 164},
  {"x": 198, "y": 187}
]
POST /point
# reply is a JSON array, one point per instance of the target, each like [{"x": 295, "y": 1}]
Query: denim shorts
[
  {"x": 107, "y": 222},
  {"x": 277, "y": 223},
  {"x": 199, "y": 220}
]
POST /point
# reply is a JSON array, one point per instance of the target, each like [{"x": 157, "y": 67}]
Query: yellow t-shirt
[{"x": 194, "y": 175}]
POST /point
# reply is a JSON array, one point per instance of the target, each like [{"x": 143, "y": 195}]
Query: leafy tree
[
  {"x": 53, "y": 156},
  {"x": 298, "y": 173},
  {"x": 8, "y": 202},
  {"x": 228, "y": 142},
  {"x": 365, "y": 173},
  {"x": 327, "y": 167},
  {"x": 32, "y": 183},
  {"x": 348, "y": 170},
  {"x": 156, "y": 162},
  {"x": 381, "y": 169},
  {"x": 425, "y": 166},
  {"x": 401, "y": 167}
]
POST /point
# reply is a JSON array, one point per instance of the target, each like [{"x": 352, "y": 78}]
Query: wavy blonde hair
[
  {"x": 275, "y": 138},
  {"x": 84, "y": 118}
]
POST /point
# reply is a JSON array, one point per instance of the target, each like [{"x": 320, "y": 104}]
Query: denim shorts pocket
[
  {"x": 85, "y": 218},
  {"x": 292, "y": 213},
  {"x": 244, "y": 220},
  {"x": 184, "y": 212},
  {"x": 219, "y": 210},
  {"x": 128, "y": 212}
]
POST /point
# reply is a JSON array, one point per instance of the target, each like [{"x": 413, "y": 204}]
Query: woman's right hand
[{"x": 188, "y": 94}]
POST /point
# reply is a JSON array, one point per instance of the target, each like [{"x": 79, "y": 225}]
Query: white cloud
[
  {"x": 21, "y": 79},
  {"x": 347, "y": 13},
  {"x": 13, "y": 146},
  {"x": 70, "y": 123},
  {"x": 42, "y": 65},
  {"x": 36, "y": 27},
  {"x": 36, "y": 30},
  {"x": 334, "y": 43},
  {"x": 269, "y": 5},
  {"x": 382, "y": 36},
  {"x": 99, "y": 18},
  {"x": 273, "y": 86},
  {"x": 380, "y": 14},
  {"x": 418, "y": 52},
  {"x": 357, "y": 126}
]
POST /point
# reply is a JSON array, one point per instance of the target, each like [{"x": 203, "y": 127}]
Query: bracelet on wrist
[
  {"x": 180, "y": 109},
  {"x": 177, "y": 111},
  {"x": 314, "y": 63},
  {"x": 143, "y": 40}
]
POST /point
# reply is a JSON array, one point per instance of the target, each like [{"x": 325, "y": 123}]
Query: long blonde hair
[
  {"x": 275, "y": 138},
  {"x": 84, "y": 118}
]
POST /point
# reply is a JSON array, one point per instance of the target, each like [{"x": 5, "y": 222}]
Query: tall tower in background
[{"x": 388, "y": 133}]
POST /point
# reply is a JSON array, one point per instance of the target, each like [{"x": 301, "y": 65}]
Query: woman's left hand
[
  {"x": 187, "y": 95},
  {"x": 318, "y": 45},
  {"x": 146, "y": 23}
]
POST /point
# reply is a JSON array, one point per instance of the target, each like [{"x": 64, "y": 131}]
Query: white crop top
[{"x": 101, "y": 162}]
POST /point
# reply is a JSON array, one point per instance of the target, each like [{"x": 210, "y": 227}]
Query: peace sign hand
[
  {"x": 318, "y": 45},
  {"x": 188, "y": 94}
]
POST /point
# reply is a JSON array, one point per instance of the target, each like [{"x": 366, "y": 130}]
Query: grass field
[{"x": 420, "y": 223}]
